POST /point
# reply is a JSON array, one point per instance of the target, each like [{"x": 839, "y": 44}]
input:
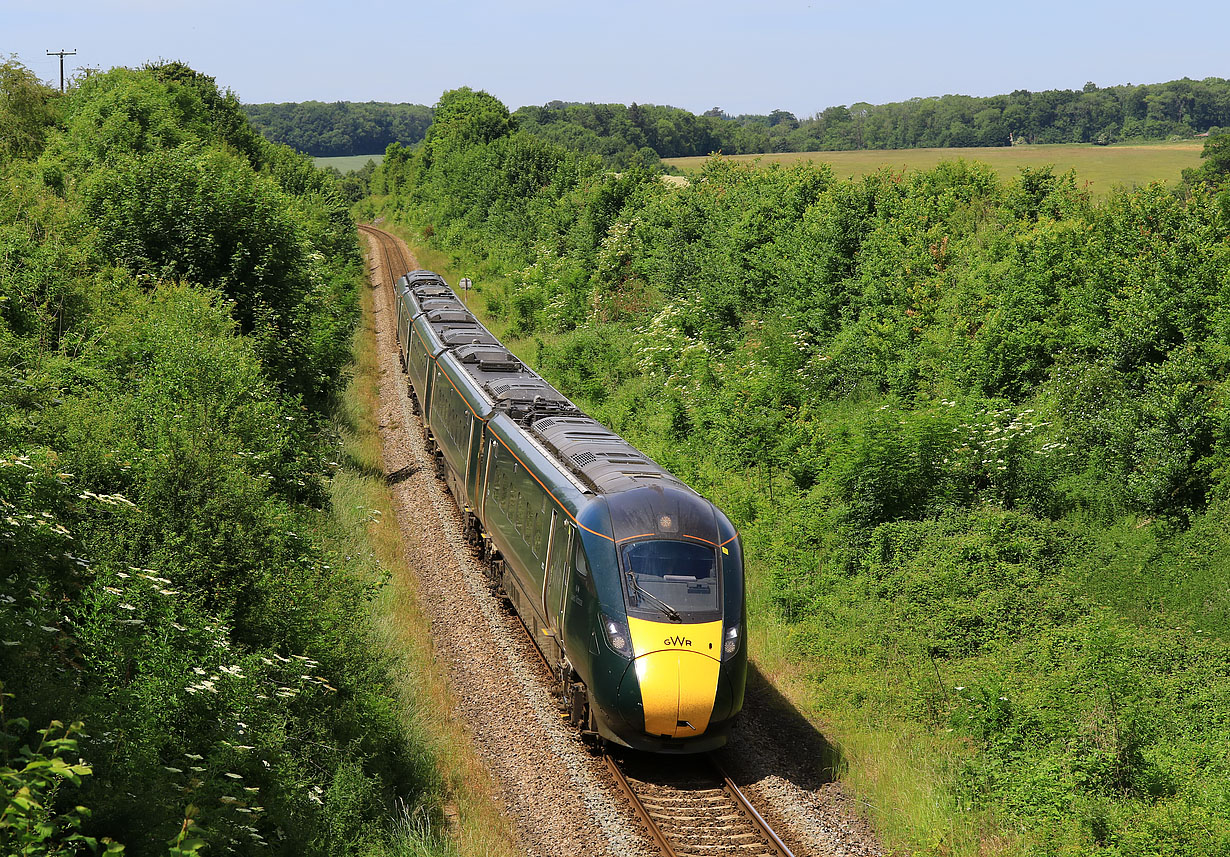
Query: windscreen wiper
[{"x": 671, "y": 612}]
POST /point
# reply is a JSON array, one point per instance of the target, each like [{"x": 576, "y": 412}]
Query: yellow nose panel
[{"x": 677, "y": 667}]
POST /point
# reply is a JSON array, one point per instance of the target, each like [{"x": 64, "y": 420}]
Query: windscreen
[{"x": 663, "y": 576}]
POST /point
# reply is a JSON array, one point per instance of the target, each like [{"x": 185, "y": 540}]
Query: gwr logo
[{"x": 678, "y": 641}]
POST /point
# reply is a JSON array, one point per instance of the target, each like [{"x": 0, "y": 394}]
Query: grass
[
  {"x": 1100, "y": 167},
  {"x": 472, "y": 814},
  {"x": 347, "y": 163}
]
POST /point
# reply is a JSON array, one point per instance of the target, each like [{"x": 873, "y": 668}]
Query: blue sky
[{"x": 752, "y": 57}]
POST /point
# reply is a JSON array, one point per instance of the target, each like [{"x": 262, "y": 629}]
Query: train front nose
[
  {"x": 673, "y": 678},
  {"x": 676, "y": 690}
]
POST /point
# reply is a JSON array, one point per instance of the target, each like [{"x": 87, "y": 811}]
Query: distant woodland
[
  {"x": 642, "y": 133},
  {"x": 342, "y": 128}
]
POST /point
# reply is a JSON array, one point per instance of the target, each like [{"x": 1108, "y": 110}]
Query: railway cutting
[{"x": 563, "y": 795}]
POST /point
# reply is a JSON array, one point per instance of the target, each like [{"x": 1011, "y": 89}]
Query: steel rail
[
  {"x": 769, "y": 838},
  {"x": 655, "y": 831},
  {"x": 747, "y": 807},
  {"x": 388, "y": 247}
]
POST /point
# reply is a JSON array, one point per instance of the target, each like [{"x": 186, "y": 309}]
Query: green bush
[{"x": 176, "y": 305}]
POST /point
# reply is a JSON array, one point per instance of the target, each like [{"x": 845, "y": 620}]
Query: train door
[
  {"x": 555, "y": 589},
  {"x": 486, "y": 486},
  {"x": 471, "y": 454}
]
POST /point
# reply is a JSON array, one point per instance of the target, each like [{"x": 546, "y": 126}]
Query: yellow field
[{"x": 1099, "y": 167}]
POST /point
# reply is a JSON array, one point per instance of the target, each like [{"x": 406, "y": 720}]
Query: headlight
[
  {"x": 731, "y": 641},
  {"x": 617, "y": 636}
]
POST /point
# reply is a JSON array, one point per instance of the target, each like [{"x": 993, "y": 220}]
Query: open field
[
  {"x": 1102, "y": 167},
  {"x": 347, "y": 163}
]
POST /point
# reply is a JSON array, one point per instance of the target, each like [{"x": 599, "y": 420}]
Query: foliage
[
  {"x": 26, "y": 111},
  {"x": 465, "y": 118},
  {"x": 1216, "y": 166},
  {"x": 29, "y": 823},
  {"x": 176, "y": 302},
  {"x": 974, "y": 435}
]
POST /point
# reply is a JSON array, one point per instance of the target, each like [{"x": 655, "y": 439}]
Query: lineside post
[{"x": 62, "y": 55}]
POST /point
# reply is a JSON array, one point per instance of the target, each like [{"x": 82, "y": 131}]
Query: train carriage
[{"x": 629, "y": 582}]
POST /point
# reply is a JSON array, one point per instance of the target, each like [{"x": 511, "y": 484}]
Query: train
[{"x": 628, "y": 581}]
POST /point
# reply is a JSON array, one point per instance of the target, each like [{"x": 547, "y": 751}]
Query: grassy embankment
[
  {"x": 187, "y": 576},
  {"x": 476, "y": 826},
  {"x": 1101, "y": 167}
]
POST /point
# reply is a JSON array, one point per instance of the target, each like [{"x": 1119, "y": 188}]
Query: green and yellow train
[{"x": 630, "y": 583}]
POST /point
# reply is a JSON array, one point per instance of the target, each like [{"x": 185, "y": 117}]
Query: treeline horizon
[
  {"x": 325, "y": 130},
  {"x": 628, "y": 135}
]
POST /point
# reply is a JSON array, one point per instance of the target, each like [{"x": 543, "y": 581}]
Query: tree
[
  {"x": 466, "y": 118},
  {"x": 25, "y": 111},
  {"x": 1216, "y": 166},
  {"x": 778, "y": 117}
]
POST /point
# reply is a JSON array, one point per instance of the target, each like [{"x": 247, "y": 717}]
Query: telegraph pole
[{"x": 62, "y": 55}]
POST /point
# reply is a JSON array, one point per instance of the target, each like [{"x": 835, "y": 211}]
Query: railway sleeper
[
  {"x": 710, "y": 797},
  {"x": 687, "y": 811},
  {"x": 707, "y": 837},
  {"x": 702, "y": 823}
]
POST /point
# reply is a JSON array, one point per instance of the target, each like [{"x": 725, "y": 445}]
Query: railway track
[
  {"x": 692, "y": 808},
  {"x": 391, "y": 252},
  {"x": 688, "y": 805}
]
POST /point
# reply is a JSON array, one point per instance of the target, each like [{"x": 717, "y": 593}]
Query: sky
[{"x": 748, "y": 57}]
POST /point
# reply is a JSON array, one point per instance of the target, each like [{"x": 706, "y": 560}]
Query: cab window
[{"x": 663, "y": 575}]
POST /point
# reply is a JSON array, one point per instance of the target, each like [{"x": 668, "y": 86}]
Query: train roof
[
  {"x": 594, "y": 457},
  {"x": 420, "y": 277},
  {"x": 600, "y": 457}
]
